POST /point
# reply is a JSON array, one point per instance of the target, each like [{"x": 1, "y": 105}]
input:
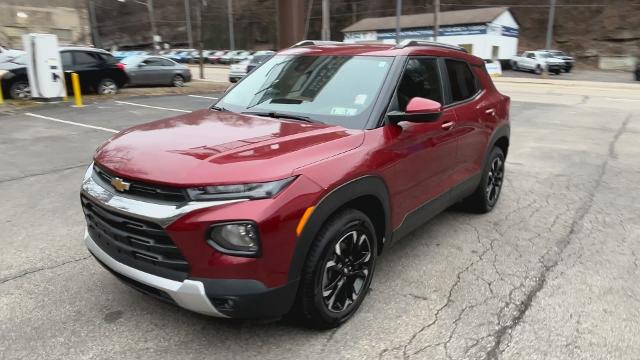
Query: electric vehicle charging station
[{"x": 44, "y": 67}]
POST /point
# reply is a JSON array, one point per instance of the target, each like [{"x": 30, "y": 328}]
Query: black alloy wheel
[
  {"x": 486, "y": 195},
  {"x": 338, "y": 270},
  {"x": 347, "y": 269},
  {"x": 494, "y": 180}
]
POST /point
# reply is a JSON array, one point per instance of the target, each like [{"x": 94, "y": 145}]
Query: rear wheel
[
  {"x": 20, "y": 90},
  {"x": 107, "y": 87},
  {"x": 514, "y": 66},
  {"x": 487, "y": 193},
  {"x": 338, "y": 271},
  {"x": 177, "y": 81}
]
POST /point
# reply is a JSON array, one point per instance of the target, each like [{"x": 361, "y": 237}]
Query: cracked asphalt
[{"x": 551, "y": 273}]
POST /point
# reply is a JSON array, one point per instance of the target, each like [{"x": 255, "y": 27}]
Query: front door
[{"x": 423, "y": 154}]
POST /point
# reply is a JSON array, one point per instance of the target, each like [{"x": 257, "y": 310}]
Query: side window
[
  {"x": 531, "y": 56},
  {"x": 420, "y": 79},
  {"x": 165, "y": 62},
  {"x": 65, "y": 57},
  {"x": 463, "y": 83},
  {"x": 83, "y": 58}
]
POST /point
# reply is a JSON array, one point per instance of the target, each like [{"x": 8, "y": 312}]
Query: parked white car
[
  {"x": 238, "y": 71},
  {"x": 537, "y": 61}
]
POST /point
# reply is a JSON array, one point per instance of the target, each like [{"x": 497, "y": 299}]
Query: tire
[
  {"x": 486, "y": 195},
  {"x": 538, "y": 70},
  {"x": 20, "y": 90},
  {"x": 107, "y": 86},
  {"x": 514, "y": 66},
  {"x": 177, "y": 81},
  {"x": 334, "y": 268},
  {"x": 556, "y": 72}
]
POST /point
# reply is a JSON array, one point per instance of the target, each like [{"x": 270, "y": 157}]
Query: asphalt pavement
[{"x": 551, "y": 273}]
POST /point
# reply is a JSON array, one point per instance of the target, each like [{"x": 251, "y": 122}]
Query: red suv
[{"x": 282, "y": 195}]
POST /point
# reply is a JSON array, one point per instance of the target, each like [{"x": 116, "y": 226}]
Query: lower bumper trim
[{"x": 188, "y": 294}]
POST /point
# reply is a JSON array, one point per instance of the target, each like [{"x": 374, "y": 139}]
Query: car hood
[{"x": 212, "y": 147}]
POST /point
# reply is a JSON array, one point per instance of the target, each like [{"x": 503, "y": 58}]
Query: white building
[{"x": 489, "y": 33}]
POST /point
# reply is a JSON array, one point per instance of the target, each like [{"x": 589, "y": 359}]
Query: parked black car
[
  {"x": 99, "y": 72},
  {"x": 568, "y": 60}
]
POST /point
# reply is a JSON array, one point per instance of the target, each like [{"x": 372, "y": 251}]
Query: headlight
[
  {"x": 237, "y": 238},
  {"x": 242, "y": 191}
]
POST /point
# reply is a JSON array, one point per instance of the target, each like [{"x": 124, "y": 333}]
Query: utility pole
[
  {"x": 436, "y": 19},
  {"x": 232, "y": 40},
  {"x": 95, "y": 36},
  {"x": 326, "y": 29},
  {"x": 552, "y": 15},
  {"x": 152, "y": 20},
  {"x": 308, "y": 19},
  {"x": 187, "y": 13},
  {"x": 199, "y": 11},
  {"x": 398, "y": 14}
]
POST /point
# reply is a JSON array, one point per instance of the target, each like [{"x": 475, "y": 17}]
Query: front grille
[
  {"x": 135, "y": 242},
  {"x": 144, "y": 190}
]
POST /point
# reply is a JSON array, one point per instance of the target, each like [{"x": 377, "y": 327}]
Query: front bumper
[
  {"x": 226, "y": 298},
  {"x": 217, "y": 284},
  {"x": 188, "y": 294}
]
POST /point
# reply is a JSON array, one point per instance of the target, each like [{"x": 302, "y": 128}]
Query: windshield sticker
[
  {"x": 360, "y": 99},
  {"x": 343, "y": 111}
]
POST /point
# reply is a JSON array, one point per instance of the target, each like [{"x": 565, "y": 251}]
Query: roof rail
[
  {"x": 316, "y": 42},
  {"x": 405, "y": 43}
]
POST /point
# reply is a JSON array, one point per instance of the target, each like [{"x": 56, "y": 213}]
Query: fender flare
[
  {"x": 503, "y": 130},
  {"x": 368, "y": 185}
]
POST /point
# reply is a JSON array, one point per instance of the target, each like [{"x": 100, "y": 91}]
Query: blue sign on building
[
  {"x": 509, "y": 31},
  {"x": 428, "y": 32}
]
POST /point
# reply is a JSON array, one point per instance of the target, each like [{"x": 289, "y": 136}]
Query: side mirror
[{"x": 418, "y": 110}]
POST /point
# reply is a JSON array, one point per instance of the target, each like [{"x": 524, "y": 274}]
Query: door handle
[
  {"x": 448, "y": 125},
  {"x": 491, "y": 111}
]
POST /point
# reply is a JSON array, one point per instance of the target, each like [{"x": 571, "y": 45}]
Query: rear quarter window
[{"x": 462, "y": 82}]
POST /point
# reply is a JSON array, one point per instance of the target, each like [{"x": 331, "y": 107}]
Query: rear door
[
  {"x": 471, "y": 104},
  {"x": 87, "y": 66}
]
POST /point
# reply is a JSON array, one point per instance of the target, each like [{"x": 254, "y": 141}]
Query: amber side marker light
[{"x": 303, "y": 219}]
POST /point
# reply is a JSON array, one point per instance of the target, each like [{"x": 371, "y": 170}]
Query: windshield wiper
[
  {"x": 218, "y": 108},
  {"x": 279, "y": 115}
]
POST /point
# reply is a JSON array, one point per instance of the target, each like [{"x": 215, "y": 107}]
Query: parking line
[
  {"x": 204, "y": 97},
  {"x": 152, "y": 107},
  {"x": 71, "y": 123}
]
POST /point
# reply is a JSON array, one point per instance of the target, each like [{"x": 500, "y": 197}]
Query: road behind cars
[{"x": 551, "y": 273}]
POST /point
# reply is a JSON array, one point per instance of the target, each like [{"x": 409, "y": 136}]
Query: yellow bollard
[
  {"x": 75, "y": 81},
  {"x": 1, "y": 96}
]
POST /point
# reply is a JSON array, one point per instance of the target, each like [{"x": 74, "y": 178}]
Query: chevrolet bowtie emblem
[{"x": 119, "y": 184}]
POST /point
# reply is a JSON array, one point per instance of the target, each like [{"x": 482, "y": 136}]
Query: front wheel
[
  {"x": 487, "y": 193},
  {"x": 538, "y": 70},
  {"x": 338, "y": 271},
  {"x": 107, "y": 87}
]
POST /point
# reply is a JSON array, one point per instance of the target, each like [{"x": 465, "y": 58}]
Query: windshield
[
  {"x": 545, "y": 55},
  {"x": 337, "y": 90}
]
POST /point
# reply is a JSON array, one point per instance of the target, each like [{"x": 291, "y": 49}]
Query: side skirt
[{"x": 435, "y": 206}]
